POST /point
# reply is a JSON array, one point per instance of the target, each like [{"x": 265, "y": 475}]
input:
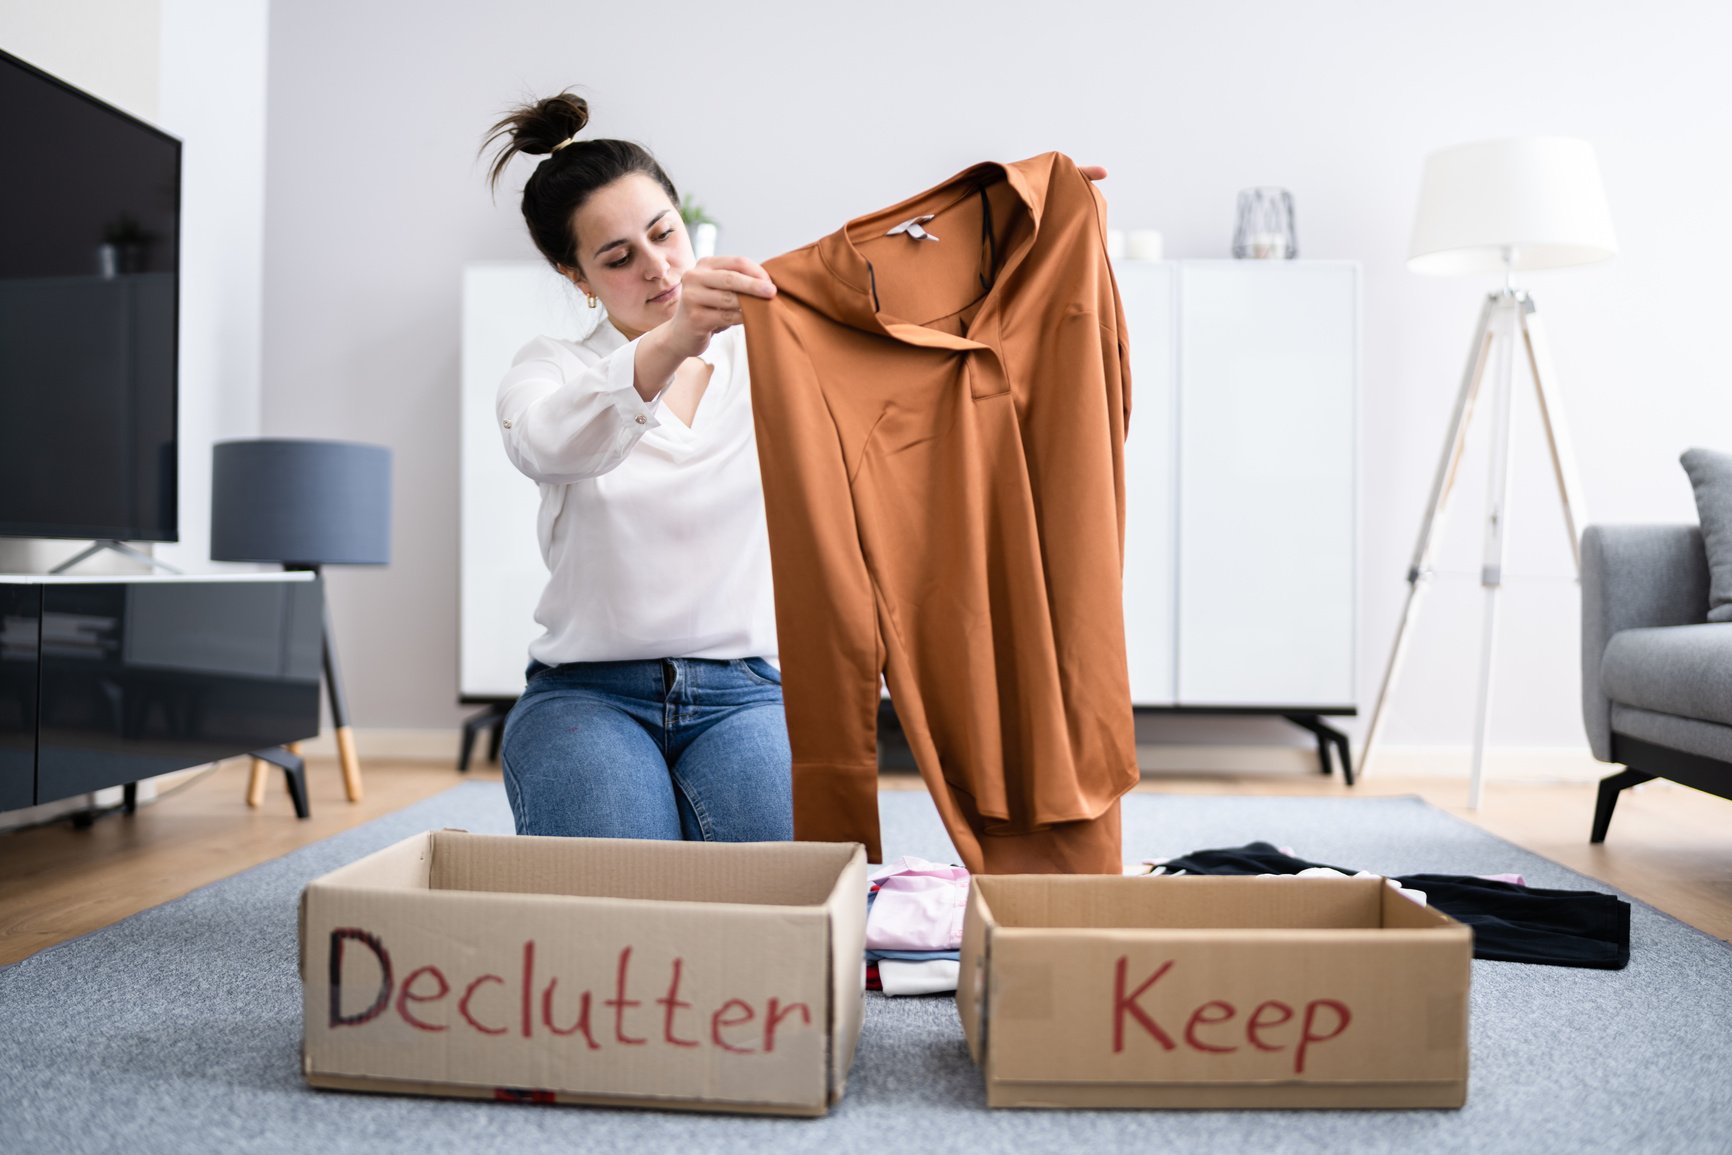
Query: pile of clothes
[
  {"x": 1511, "y": 922},
  {"x": 914, "y": 912}
]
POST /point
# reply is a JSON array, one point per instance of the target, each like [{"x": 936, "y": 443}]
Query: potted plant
[
  {"x": 699, "y": 226},
  {"x": 125, "y": 246}
]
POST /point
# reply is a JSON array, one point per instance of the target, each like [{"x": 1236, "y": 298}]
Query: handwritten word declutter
[{"x": 531, "y": 1003}]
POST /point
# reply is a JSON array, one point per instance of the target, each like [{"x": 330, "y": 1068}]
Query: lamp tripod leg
[
  {"x": 1557, "y": 431},
  {"x": 340, "y": 714},
  {"x": 1496, "y": 527},
  {"x": 1443, "y": 484},
  {"x": 257, "y": 780},
  {"x": 351, "y": 763},
  {"x": 256, "y": 783}
]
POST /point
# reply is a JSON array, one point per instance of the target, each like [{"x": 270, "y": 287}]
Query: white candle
[{"x": 1266, "y": 245}]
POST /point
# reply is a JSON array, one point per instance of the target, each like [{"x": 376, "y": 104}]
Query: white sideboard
[
  {"x": 1241, "y": 472},
  {"x": 1242, "y": 485},
  {"x": 506, "y": 304}
]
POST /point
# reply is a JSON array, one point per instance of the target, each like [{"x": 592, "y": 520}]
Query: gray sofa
[{"x": 1656, "y": 674}]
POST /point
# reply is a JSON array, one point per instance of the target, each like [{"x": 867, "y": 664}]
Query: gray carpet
[{"x": 179, "y": 1028}]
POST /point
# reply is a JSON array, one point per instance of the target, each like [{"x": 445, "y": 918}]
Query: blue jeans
[{"x": 674, "y": 748}]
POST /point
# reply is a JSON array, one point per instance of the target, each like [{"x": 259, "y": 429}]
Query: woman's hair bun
[{"x": 535, "y": 129}]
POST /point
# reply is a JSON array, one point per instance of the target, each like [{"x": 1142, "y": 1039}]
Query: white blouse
[{"x": 653, "y": 531}]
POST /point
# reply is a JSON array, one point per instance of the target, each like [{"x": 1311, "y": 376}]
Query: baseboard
[
  {"x": 1510, "y": 763},
  {"x": 400, "y": 746},
  {"x": 442, "y": 746},
  {"x": 1502, "y": 763},
  {"x": 1172, "y": 757}
]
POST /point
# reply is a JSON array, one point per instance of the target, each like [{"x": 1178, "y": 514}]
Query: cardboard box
[
  {"x": 574, "y": 970},
  {"x": 1218, "y": 992}
]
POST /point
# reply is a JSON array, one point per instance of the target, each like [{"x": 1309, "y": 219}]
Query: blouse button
[
  {"x": 507, "y": 425},
  {"x": 642, "y": 420}
]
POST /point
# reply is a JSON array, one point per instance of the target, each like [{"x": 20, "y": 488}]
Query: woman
[{"x": 653, "y": 707}]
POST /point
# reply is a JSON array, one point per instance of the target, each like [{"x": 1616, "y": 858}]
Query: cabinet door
[
  {"x": 20, "y": 630},
  {"x": 141, "y": 678},
  {"x": 1147, "y": 290},
  {"x": 1268, "y": 369}
]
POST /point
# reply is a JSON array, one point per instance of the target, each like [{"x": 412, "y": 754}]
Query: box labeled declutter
[
  {"x": 629, "y": 973},
  {"x": 1213, "y": 992}
]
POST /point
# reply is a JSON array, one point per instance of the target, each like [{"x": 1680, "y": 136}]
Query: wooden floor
[{"x": 1669, "y": 845}]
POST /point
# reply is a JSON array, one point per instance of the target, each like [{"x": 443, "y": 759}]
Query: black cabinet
[
  {"x": 20, "y": 649},
  {"x": 107, "y": 682}
]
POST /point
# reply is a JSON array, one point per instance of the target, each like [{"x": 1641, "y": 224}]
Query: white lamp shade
[{"x": 1536, "y": 199}]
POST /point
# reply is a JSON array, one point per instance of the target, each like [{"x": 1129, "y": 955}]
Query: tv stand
[
  {"x": 119, "y": 547},
  {"x": 109, "y": 679}
]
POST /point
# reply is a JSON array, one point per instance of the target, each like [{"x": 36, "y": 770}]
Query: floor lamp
[
  {"x": 304, "y": 505},
  {"x": 1500, "y": 206}
]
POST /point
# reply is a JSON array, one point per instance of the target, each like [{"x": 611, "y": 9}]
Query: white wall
[
  {"x": 213, "y": 98},
  {"x": 787, "y": 118},
  {"x": 109, "y": 48}
]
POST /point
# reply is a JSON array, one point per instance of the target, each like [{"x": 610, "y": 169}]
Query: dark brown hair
[{"x": 571, "y": 173}]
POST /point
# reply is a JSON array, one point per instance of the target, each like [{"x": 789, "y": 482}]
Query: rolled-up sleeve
[{"x": 564, "y": 421}]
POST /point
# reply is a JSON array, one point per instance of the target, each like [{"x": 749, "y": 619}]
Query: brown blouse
[{"x": 941, "y": 410}]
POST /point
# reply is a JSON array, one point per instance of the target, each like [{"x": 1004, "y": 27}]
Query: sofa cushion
[
  {"x": 1711, "y": 479},
  {"x": 1680, "y": 670}
]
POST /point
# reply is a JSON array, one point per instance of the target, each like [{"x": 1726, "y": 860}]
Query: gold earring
[{"x": 591, "y": 299}]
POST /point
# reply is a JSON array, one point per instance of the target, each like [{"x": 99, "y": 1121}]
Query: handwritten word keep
[{"x": 1206, "y": 1028}]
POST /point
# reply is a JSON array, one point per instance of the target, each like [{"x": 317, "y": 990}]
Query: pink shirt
[{"x": 919, "y": 906}]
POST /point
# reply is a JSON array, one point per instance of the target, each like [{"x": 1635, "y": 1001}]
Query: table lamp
[
  {"x": 304, "y": 505},
  {"x": 1499, "y": 207}
]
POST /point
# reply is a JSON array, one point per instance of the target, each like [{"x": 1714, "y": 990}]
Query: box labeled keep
[
  {"x": 707, "y": 976},
  {"x": 1213, "y": 992}
]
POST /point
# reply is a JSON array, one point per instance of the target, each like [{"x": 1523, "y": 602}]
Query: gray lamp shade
[{"x": 300, "y": 502}]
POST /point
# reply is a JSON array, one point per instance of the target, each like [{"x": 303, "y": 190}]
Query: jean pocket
[{"x": 761, "y": 672}]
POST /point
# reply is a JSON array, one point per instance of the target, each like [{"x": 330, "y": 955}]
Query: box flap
[
  {"x": 847, "y": 909},
  {"x": 971, "y": 975},
  {"x": 1404, "y": 912},
  {"x": 405, "y": 864},
  {"x": 1201, "y": 901},
  {"x": 765, "y": 873}
]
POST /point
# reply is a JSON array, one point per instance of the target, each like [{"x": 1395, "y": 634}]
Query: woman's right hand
[{"x": 710, "y": 295}]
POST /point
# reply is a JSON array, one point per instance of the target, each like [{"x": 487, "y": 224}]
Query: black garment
[{"x": 1568, "y": 928}]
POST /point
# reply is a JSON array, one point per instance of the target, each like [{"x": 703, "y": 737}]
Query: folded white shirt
[{"x": 934, "y": 977}]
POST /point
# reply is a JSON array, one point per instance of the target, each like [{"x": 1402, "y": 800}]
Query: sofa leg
[{"x": 1610, "y": 787}]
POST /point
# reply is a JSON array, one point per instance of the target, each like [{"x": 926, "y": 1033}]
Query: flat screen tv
[{"x": 89, "y": 304}]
